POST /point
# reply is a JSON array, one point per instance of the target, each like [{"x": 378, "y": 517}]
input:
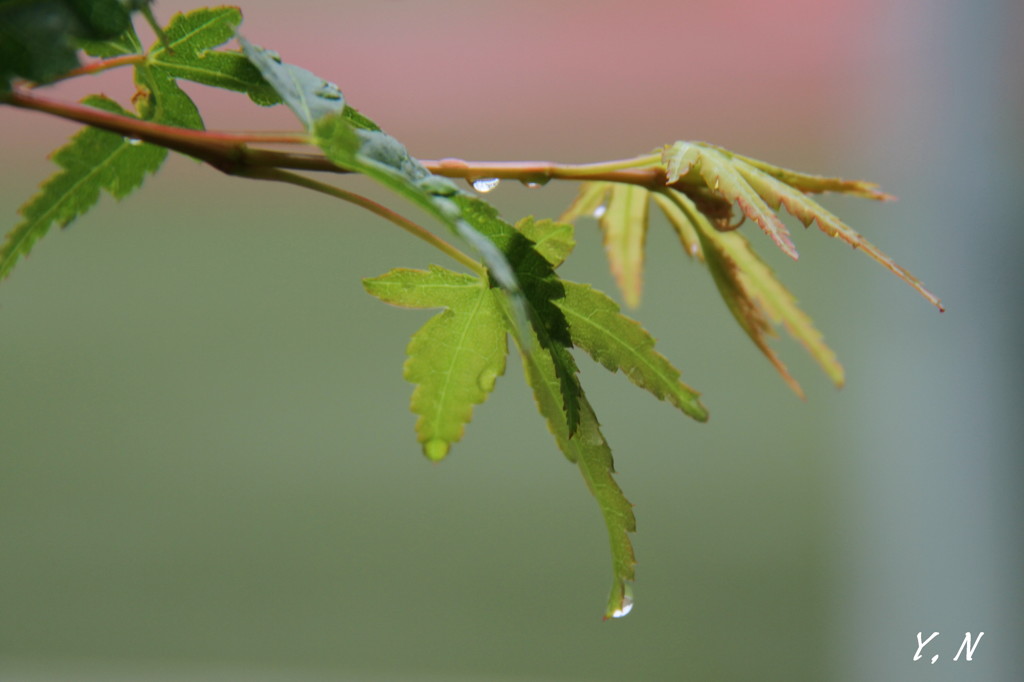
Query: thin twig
[{"x": 409, "y": 226}]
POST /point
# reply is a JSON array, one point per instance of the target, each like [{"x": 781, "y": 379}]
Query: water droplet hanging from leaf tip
[
  {"x": 599, "y": 211},
  {"x": 436, "y": 449},
  {"x": 627, "y": 604}
]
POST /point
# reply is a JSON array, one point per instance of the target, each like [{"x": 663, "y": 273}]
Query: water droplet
[
  {"x": 694, "y": 249},
  {"x": 133, "y": 141},
  {"x": 436, "y": 449},
  {"x": 329, "y": 91},
  {"x": 535, "y": 181},
  {"x": 627, "y": 604},
  {"x": 485, "y": 185},
  {"x": 486, "y": 380},
  {"x": 599, "y": 211}
]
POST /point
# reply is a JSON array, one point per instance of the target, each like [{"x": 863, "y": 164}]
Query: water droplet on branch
[
  {"x": 484, "y": 185},
  {"x": 535, "y": 181}
]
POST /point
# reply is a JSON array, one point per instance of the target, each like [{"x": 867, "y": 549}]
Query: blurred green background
[{"x": 209, "y": 470}]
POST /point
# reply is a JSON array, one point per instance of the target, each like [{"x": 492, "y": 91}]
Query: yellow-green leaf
[
  {"x": 554, "y": 241},
  {"x": 717, "y": 169},
  {"x": 806, "y": 210},
  {"x": 624, "y": 225},
  {"x": 456, "y": 357},
  {"x": 760, "y": 189},
  {"x": 755, "y": 297}
]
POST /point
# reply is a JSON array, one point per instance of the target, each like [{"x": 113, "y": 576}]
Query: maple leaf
[
  {"x": 719, "y": 172},
  {"x": 455, "y": 359},
  {"x": 760, "y": 189},
  {"x": 189, "y": 54},
  {"x": 92, "y": 161},
  {"x": 619, "y": 343},
  {"x": 39, "y": 39},
  {"x": 751, "y": 292},
  {"x": 588, "y": 449}
]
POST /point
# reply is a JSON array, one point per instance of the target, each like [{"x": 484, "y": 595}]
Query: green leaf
[
  {"x": 624, "y": 225},
  {"x": 93, "y": 160},
  {"x": 541, "y": 288},
  {"x": 456, "y": 357},
  {"x": 754, "y": 296},
  {"x": 165, "y": 102},
  {"x": 39, "y": 39},
  {"x": 353, "y": 142},
  {"x": 310, "y": 97},
  {"x": 620, "y": 343},
  {"x": 191, "y": 38},
  {"x": 124, "y": 44},
  {"x": 587, "y": 447},
  {"x": 554, "y": 241}
]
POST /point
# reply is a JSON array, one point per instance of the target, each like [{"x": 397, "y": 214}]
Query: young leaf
[
  {"x": 685, "y": 230},
  {"x": 456, "y": 357},
  {"x": 191, "y": 38},
  {"x": 589, "y": 202},
  {"x": 624, "y": 224},
  {"x": 93, "y": 160},
  {"x": 754, "y": 296},
  {"x": 717, "y": 169},
  {"x": 806, "y": 210},
  {"x": 813, "y": 184},
  {"x": 620, "y": 343},
  {"x": 761, "y": 188}
]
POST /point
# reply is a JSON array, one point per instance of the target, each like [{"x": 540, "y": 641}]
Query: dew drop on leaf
[
  {"x": 486, "y": 380},
  {"x": 436, "y": 449},
  {"x": 627, "y": 604},
  {"x": 133, "y": 141},
  {"x": 599, "y": 211},
  {"x": 485, "y": 185}
]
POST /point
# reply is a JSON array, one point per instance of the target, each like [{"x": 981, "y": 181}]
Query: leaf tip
[{"x": 436, "y": 449}]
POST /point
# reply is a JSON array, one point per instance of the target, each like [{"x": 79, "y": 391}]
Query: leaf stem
[
  {"x": 219, "y": 149},
  {"x": 99, "y": 66},
  {"x": 229, "y": 152},
  {"x": 401, "y": 221}
]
